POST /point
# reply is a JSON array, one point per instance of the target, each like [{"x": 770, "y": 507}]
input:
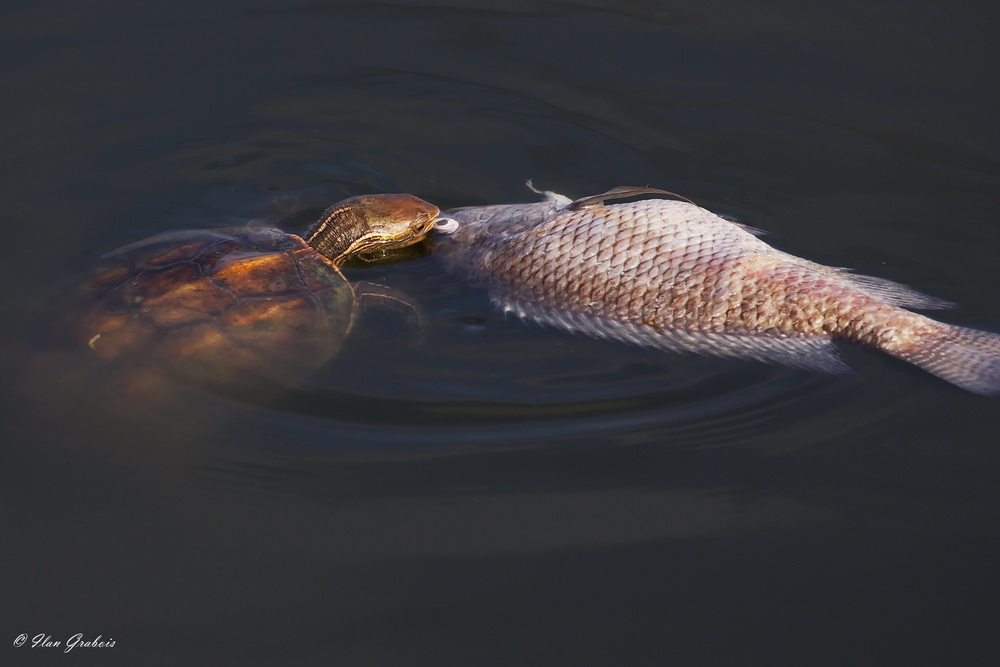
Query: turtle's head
[{"x": 370, "y": 223}]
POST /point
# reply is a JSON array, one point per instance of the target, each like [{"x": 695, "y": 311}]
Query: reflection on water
[{"x": 472, "y": 490}]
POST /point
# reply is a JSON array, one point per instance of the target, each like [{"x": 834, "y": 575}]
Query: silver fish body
[{"x": 670, "y": 274}]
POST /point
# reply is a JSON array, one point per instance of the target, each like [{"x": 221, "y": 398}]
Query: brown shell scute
[
  {"x": 258, "y": 274},
  {"x": 175, "y": 295},
  {"x": 210, "y": 303}
]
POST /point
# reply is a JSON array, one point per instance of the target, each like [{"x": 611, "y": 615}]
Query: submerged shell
[
  {"x": 670, "y": 274},
  {"x": 215, "y": 304}
]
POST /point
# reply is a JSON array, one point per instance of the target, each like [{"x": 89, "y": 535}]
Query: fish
[{"x": 662, "y": 272}]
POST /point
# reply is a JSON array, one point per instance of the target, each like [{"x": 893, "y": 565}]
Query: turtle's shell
[{"x": 213, "y": 303}]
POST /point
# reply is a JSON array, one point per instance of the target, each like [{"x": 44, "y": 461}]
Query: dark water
[{"x": 476, "y": 491}]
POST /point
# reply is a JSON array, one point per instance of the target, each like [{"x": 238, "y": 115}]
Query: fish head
[{"x": 477, "y": 225}]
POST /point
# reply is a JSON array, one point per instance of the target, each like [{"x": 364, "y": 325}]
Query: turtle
[{"x": 219, "y": 305}]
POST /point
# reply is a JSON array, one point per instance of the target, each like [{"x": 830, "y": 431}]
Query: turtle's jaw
[
  {"x": 397, "y": 221},
  {"x": 423, "y": 228},
  {"x": 379, "y": 240}
]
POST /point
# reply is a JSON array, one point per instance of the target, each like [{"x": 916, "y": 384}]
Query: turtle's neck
[{"x": 337, "y": 230}]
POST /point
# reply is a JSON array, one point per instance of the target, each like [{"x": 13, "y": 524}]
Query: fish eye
[{"x": 446, "y": 225}]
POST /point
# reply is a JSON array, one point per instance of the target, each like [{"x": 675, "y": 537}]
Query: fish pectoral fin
[
  {"x": 561, "y": 200},
  {"x": 621, "y": 192}
]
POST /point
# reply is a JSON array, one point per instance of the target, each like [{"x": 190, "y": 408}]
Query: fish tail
[{"x": 969, "y": 358}]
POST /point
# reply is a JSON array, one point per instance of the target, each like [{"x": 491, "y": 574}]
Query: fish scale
[{"x": 670, "y": 274}]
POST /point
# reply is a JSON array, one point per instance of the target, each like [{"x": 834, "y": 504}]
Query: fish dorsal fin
[{"x": 620, "y": 192}]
